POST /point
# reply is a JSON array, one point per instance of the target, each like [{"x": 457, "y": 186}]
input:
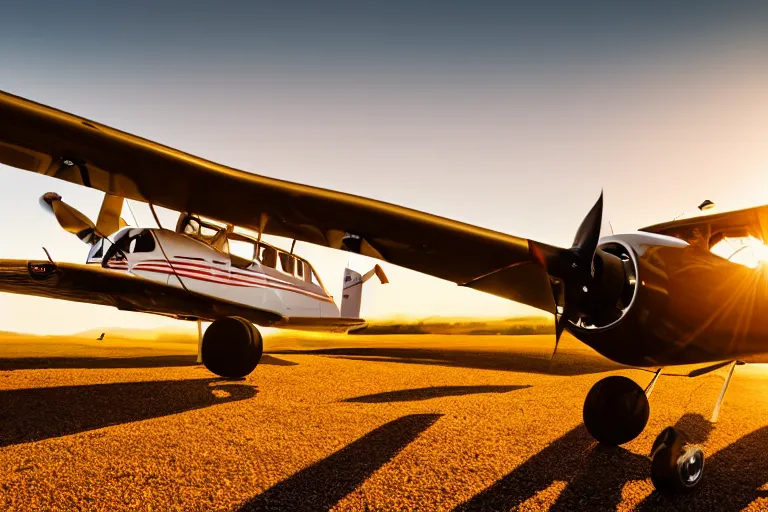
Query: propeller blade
[
  {"x": 559, "y": 327},
  {"x": 570, "y": 270},
  {"x": 588, "y": 234},
  {"x": 109, "y": 220},
  {"x": 69, "y": 218}
]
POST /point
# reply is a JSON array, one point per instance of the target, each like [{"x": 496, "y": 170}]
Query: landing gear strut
[
  {"x": 616, "y": 410},
  {"x": 677, "y": 466},
  {"x": 231, "y": 347}
]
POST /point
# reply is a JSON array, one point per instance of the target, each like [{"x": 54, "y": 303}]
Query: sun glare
[{"x": 747, "y": 251}]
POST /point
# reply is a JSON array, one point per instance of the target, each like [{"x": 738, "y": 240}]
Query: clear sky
[{"x": 511, "y": 116}]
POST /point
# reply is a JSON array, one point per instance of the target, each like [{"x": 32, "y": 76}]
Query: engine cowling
[{"x": 624, "y": 319}]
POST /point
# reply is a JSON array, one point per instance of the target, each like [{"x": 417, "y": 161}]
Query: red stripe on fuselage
[{"x": 256, "y": 281}]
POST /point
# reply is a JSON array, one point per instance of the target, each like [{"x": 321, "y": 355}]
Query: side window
[
  {"x": 307, "y": 272},
  {"x": 268, "y": 256},
  {"x": 300, "y": 269},
  {"x": 208, "y": 232},
  {"x": 242, "y": 248},
  {"x": 287, "y": 263},
  {"x": 315, "y": 279}
]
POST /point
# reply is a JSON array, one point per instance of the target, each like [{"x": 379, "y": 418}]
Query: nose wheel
[
  {"x": 675, "y": 465},
  {"x": 616, "y": 410}
]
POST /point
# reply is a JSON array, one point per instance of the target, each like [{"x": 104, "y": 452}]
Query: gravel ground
[{"x": 357, "y": 423}]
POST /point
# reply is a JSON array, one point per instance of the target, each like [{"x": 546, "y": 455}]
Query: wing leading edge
[{"x": 44, "y": 140}]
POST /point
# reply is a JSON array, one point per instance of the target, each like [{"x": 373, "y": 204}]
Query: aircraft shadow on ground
[
  {"x": 417, "y": 394},
  {"x": 323, "y": 484},
  {"x": 43, "y": 363},
  {"x": 595, "y": 475},
  {"x": 34, "y": 414},
  {"x": 570, "y": 364}
]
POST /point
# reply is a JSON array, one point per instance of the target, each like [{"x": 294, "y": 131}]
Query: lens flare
[{"x": 747, "y": 251}]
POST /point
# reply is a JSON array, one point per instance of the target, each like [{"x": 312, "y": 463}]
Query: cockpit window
[
  {"x": 145, "y": 242},
  {"x": 746, "y": 250},
  {"x": 196, "y": 228},
  {"x": 135, "y": 240}
]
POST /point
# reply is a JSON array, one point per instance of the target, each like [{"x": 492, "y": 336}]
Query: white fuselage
[{"x": 289, "y": 287}]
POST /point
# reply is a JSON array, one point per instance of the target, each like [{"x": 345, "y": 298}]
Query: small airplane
[
  {"x": 655, "y": 298},
  {"x": 204, "y": 270}
]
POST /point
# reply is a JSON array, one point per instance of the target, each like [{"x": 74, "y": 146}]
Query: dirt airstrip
[{"x": 406, "y": 422}]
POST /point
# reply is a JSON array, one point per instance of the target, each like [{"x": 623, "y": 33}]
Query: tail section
[{"x": 352, "y": 295}]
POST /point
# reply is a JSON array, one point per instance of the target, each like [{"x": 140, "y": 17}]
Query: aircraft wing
[
  {"x": 44, "y": 140},
  {"x": 710, "y": 229},
  {"x": 95, "y": 285}
]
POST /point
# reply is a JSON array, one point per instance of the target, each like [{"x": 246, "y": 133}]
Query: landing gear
[
  {"x": 616, "y": 410},
  {"x": 675, "y": 466},
  {"x": 231, "y": 347}
]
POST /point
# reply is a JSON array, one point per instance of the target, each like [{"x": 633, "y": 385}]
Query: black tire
[
  {"x": 232, "y": 347},
  {"x": 616, "y": 410},
  {"x": 676, "y": 467}
]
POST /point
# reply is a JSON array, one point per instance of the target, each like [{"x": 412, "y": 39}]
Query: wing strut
[
  {"x": 160, "y": 244},
  {"x": 652, "y": 384},
  {"x": 716, "y": 411}
]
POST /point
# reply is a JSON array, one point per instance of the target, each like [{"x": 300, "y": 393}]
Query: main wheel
[
  {"x": 232, "y": 347},
  {"x": 675, "y": 466},
  {"x": 616, "y": 410}
]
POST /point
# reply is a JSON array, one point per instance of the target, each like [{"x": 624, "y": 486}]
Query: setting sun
[{"x": 747, "y": 251}]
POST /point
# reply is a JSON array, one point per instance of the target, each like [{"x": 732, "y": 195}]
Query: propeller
[
  {"x": 572, "y": 271},
  {"x": 70, "y": 219},
  {"x": 77, "y": 223}
]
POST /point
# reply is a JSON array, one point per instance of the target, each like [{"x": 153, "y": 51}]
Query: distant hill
[
  {"x": 462, "y": 326},
  {"x": 172, "y": 332},
  {"x": 8, "y": 334},
  {"x": 432, "y": 325}
]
